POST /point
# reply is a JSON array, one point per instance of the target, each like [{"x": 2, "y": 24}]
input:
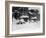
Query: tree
[{"x": 33, "y": 14}]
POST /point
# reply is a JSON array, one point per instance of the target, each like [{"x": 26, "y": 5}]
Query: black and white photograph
[{"x": 25, "y": 18}]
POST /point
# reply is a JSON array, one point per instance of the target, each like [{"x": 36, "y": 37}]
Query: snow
[{"x": 25, "y": 28}]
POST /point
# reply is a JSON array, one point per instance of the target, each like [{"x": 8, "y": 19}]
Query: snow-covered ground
[{"x": 25, "y": 28}]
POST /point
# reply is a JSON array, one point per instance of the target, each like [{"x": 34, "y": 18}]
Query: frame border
[{"x": 7, "y": 3}]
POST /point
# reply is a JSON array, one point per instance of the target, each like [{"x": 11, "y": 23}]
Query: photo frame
[{"x": 24, "y": 19}]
